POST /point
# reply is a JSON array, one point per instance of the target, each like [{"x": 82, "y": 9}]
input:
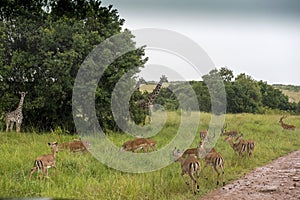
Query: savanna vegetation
[
  {"x": 43, "y": 45},
  {"x": 81, "y": 176}
]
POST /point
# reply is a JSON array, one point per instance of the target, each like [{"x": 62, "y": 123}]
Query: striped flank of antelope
[{"x": 190, "y": 166}]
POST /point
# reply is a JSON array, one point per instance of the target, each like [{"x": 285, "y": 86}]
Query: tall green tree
[
  {"x": 244, "y": 95},
  {"x": 43, "y": 44}
]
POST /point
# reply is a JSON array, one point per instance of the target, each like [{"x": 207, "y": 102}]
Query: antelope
[
  {"x": 75, "y": 146},
  {"x": 152, "y": 144},
  {"x": 45, "y": 162},
  {"x": 232, "y": 133},
  {"x": 286, "y": 126},
  {"x": 214, "y": 159},
  {"x": 134, "y": 145},
  {"x": 189, "y": 166},
  {"x": 203, "y": 134},
  {"x": 194, "y": 152},
  {"x": 250, "y": 144},
  {"x": 239, "y": 147}
]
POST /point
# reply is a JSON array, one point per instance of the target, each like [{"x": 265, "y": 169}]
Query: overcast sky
[{"x": 259, "y": 37}]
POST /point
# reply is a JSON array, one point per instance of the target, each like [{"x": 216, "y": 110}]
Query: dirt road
[{"x": 279, "y": 179}]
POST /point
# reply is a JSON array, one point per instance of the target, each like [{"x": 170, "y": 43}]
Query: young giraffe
[
  {"x": 15, "y": 116},
  {"x": 147, "y": 104}
]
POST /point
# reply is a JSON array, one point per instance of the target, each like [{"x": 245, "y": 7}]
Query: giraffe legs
[
  {"x": 7, "y": 124},
  {"x": 18, "y": 127},
  {"x": 11, "y": 125}
]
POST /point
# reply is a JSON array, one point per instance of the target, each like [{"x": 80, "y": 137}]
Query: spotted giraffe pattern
[
  {"x": 15, "y": 116},
  {"x": 148, "y": 103}
]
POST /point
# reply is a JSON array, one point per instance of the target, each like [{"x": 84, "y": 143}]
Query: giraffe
[
  {"x": 15, "y": 116},
  {"x": 147, "y": 104},
  {"x": 139, "y": 83}
]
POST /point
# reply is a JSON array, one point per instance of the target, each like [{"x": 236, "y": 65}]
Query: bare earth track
[{"x": 279, "y": 179}]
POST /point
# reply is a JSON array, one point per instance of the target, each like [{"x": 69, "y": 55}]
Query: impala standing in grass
[
  {"x": 250, "y": 144},
  {"x": 238, "y": 147},
  {"x": 190, "y": 166},
  {"x": 44, "y": 162},
  {"x": 203, "y": 134},
  {"x": 214, "y": 159}
]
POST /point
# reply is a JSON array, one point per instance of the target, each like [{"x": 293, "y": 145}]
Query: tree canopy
[{"x": 42, "y": 45}]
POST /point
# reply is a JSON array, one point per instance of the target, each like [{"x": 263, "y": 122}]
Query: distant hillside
[
  {"x": 150, "y": 87},
  {"x": 293, "y": 92}
]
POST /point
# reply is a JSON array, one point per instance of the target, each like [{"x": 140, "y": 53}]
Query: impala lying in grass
[
  {"x": 44, "y": 162},
  {"x": 286, "y": 126},
  {"x": 139, "y": 143},
  {"x": 232, "y": 133},
  {"x": 75, "y": 146}
]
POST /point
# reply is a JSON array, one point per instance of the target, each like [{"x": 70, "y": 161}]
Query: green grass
[{"x": 81, "y": 176}]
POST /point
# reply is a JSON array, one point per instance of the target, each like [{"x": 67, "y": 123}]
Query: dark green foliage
[
  {"x": 138, "y": 114},
  {"x": 42, "y": 46},
  {"x": 44, "y": 43}
]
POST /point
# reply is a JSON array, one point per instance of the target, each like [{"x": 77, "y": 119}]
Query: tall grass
[{"x": 81, "y": 176}]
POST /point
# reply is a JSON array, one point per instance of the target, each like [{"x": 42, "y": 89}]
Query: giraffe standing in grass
[
  {"x": 148, "y": 103},
  {"x": 15, "y": 116}
]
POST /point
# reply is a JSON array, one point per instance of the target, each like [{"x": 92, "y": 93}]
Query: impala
[
  {"x": 136, "y": 144},
  {"x": 189, "y": 166},
  {"x": 152, "y": 144},
  {"x": 203, "y": 134},
  {"x": 214, "y": 159},
  {"x": 238, "y": 147},
  {"x": 250, "y": 144},
  {"x": 194, "y": 152},
  {"x": 286, "y": 126},
  {"x": 44, "y": 162},
  {"x": 232, "y": 133},
  {"x": 75, "y": 146}
]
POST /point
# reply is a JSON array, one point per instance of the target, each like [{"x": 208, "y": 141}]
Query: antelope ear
[{"x": 49, "y": 143}]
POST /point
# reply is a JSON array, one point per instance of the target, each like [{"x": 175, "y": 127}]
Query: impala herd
[{"x": 189, "y": 159}]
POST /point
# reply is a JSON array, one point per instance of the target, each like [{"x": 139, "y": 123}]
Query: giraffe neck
[
  {"x": 20, "y": 106},
  {"x": 154, "y": 93},
  {"x": 137, "y": 87}
]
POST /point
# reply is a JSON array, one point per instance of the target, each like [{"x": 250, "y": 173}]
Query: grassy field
[{"x": 81, "y": 176}]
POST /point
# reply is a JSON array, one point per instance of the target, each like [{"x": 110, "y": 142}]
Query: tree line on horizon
[
  {"x": 43, "y": 44},
  {"x": 243, "y": 95}
]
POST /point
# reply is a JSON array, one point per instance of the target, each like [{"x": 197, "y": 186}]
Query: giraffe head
[
  {"x": 140, "y": 82},
  {"x": 23, "y": 94},
  {"x": 163, "y": 78}
]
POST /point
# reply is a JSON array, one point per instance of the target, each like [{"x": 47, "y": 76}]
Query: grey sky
[{"x": 259, "y": 37}]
